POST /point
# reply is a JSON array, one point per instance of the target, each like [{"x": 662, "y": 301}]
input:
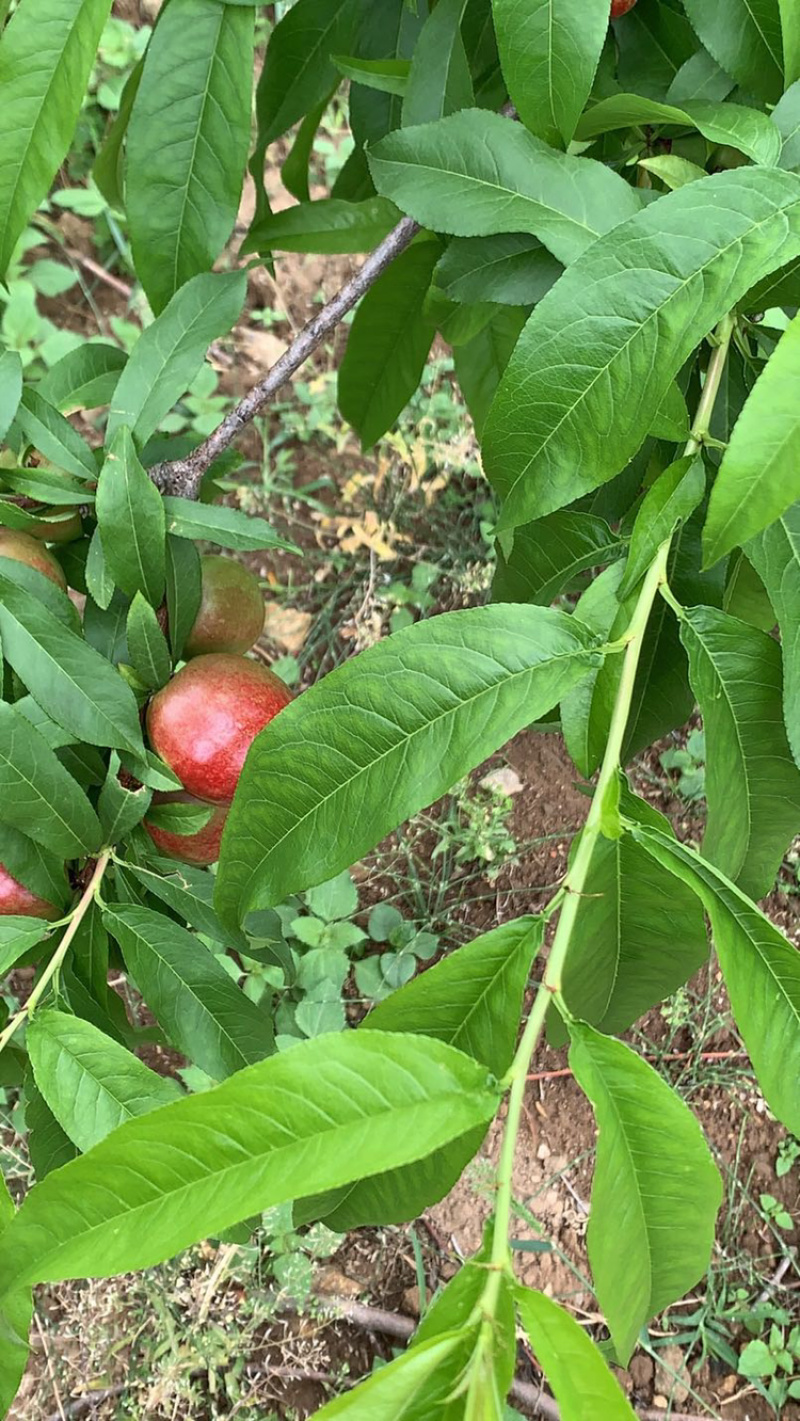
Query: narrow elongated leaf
[
  {"x": 576, "y": 373},
  {"x": 761, "y": 970},
  {"x": 330, "y": 225},
  {"x": 481, "y": 361},
  {"x": 752, "y": 132},
  {"x": 760, "y": 472},
  {"x": 299, "y": 69},
  {"x": 700, "y": 77},
  {"x": 200, "y": 1007},
  {"x": 549, "y": 50},
  {"x": 388, "y": 345},
  {"x": 48, "y": 487},
  {"x": 397, "y": 1390},
  {"x": 118, "y": 807},
  {"x": 108, "y": 170},
  {"x": 84, "y": 378},
  {"x": 73, "y": 684},
  {"x": 775, "y": 554},
  {"x": 187, "y": 143},
  {"x": 744, "y": 37},
  {"x": 573, "y": 1365},
  {"x": 131, "y": 521},
  {"x": 10, "y": 388},
  {"x": 184, "y": 590},
  {"x": 471, "y": 998},
  {"x": 388, "y": 76},
  {"x": 786, "y": 117},
  {"x": 511, "y": 268},
  {"x": 439, "y": 80},
  {"x": 627, "y": 954},
  {"x": 16, "y": 1316},
  {"x": 147, "y": 645},
  {"x": 656, "y": 1189},
  {"x": 91, "y": 1083},
  {"x": 675, "y": 494},
  {"x": 37, "y": 795},
  {"x": 188, "y": 891},
  {"x": 547, "y": 555},
  {"x": 389, "y": 31},
  {"x": 474, "y": 174},
  {"x": 746, "y": 596},
  {"x": 16, "y": 936},
  {"x": 790, "y": 26},
  {"x": 39, "y": 870},
  {"x": 654, "y": 44},
  {"x": 407, "y": 717},
  {"x": 46, "y": 55},
  {"x": 311, "y": 1118},
  {"x": 752, "y": 783},
  {"x": 54, "y": 436},
  {"x": 216, "y": 523},
  {"x": 45, "y": 592},
  {"x": 48, "y": 1145},
  {"x": 169, "y": 353}
]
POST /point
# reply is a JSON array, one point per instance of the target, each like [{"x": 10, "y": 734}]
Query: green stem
[
  {"x": 575, "y": 881},
  {"x": 61, "y": 951}
]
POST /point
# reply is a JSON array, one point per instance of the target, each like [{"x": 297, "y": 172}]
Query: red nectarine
[
  {"x": 231, "y": 615},
  {"x": 201, "y": 847},
  {"x": 22, "y": 548},
  {"x": 15, "y": 898}
]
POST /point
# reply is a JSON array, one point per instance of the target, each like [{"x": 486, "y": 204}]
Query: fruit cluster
[{"x": 201, "y": 723}]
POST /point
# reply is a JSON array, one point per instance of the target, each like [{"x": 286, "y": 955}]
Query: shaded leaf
[
  {"x": 53, "y": 435},
  {"x": 37, "y": 795},
  {"x": 775, "y": 554},
  {"x": 439, "y": 80},
  {"x": 131, "y": 521},
  {"x": 184, "y": 590},
  {"x": 752, "y": 132},
  {"x": 118, "y": 807},
  {"x": 10, "y": 388},
  {"x": 548, "y": 554},
  {"x": 480, "y": 363},
  {"x": 329, "y": 225},
  {"x": 511, "y": 268},
  {"x": 668, "y": 502},
  {"x": 573, "y": 1365},
  {"x": 744, "y": 37},
  {"x": 147, "y": 645}
]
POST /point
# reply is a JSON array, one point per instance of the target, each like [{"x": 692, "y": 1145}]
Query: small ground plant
[{"x": 597, "y": 209}]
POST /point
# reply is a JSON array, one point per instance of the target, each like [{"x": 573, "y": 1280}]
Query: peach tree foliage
[{"x": 603, "y": 222}]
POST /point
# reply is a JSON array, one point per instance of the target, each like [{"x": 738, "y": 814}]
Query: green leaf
[
  {"x": 190, "y": 892},
  {"x": 671, "y": 419},
  {"x": 669, "y": 501},
  {"x": 53, "y": 435},
  {"x": 392, "y": 730},
  {"x": 120, "y": 809},
  {"x": 294, "y": 170},
  {"x": 187, "y": 143},
  {"x": 10, "y": 388},
  {"x": 217, "y": 523},
  {"x": 547, "y": 555},
  {"x": 471, "y": 999},
  {"x": 46, "y": 56},
  {"x": 202, "y": 1010},
  {"x": 786, "y": 117},
  {"x": 775, "y": 554},
  {"x": 16, "y": 1316},
  {"x": 388, "y": 31},
  {"x": 131, "y": 519},
  {"x": 108, "y": 169},
  {"x": 169, "y": 353},
  {"x": 761, "y": 971},
  {"x": 479, "y": 364},
  {"x": 184, "y": 590},
  {"x": 511, "y": 268},
  {"x": 573, "y": 1365},
  {"x": 17, "y": 935},
  {"x": 746, "y": 596},
  {"x": 439, "y": 80},
  {"x": 752, "y": 783},
  {"x": 48, "y": 487},
  {"x": 329, "y": 225},
  {"x": 37, "y": 795},
  {"x": 388, "y": 345},
  {"x": 388, "y": 76},
  {"x": 89, "y": 957},
  {"x": 91, "y": 1083},
  {"x": 673, "y": 171},
  {"x": 549, "y": 50},
  {"x": 744, "y": 36},
  {"x": 147, "y": 645},
  {"x": 654, "y": 44},
  {"x": 308, "y": 1119},
  {"x": 627, "y": 954},
  {"x": 656, "y": 1189},
  {"x": 407, "y": 1383},
  {"x": 586, "y": 709},
  {"x": 48, "y": 1146},
  {"x": 474, "y": 174},
  {"x": 700, "y": 77},
  {"x": 790, "y": 26},
  {"x": 760, "y": 472},
  {"x": 299, "y": 69},
  {"x": 45, "y": 592},
  {"x": 72, "y": 682},
  {"x": 574, "y": 376},
  {"x": 100, "y": 584},
  {"x": 35, "y": 867},
  {"x": 752, "y": 132},
  {"x": 338, "y": 898}
]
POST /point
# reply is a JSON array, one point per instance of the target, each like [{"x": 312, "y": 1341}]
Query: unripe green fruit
[
  {"x": 16, "y": 899},
  {"x": 203, "y": 722},
  {"x": 22, "y": 548},
  {"x": 231, "y": 615},
  {"x": 202, "y": 847}
]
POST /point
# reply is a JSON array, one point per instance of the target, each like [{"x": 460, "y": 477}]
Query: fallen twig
[{"x": 183, "y": 476}]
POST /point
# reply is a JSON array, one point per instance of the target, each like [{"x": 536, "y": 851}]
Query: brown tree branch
[{"x": 183, "y": 476}]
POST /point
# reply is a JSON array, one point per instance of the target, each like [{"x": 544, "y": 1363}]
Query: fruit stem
[
  {"x": 54, "y": 965},
  {"x": 603, "y": 803}
]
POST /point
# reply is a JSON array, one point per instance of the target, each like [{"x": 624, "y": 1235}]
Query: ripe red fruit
[
  {"x": 231, "y": 615},
  {"x": 621, "y": 7},
  {"x": 202, "y": 847},
  {"x": 57, "y": 525},
  {"x": 22, "y": 548},
  {"x": 205, "y": 719},
  {"x": 17, "y": 899}
]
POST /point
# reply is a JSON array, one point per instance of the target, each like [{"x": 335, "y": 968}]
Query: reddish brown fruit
[
  {"x": 231, "y": 615},
  {"x": 202, "y": 847},
  {"x": 57, "y": 525},
  {"x": 205, "y": 719},
  {"x": 621, "y": 7},
  {"x": 17, "y": 899},
  {"x": 22, "y": 548}
]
